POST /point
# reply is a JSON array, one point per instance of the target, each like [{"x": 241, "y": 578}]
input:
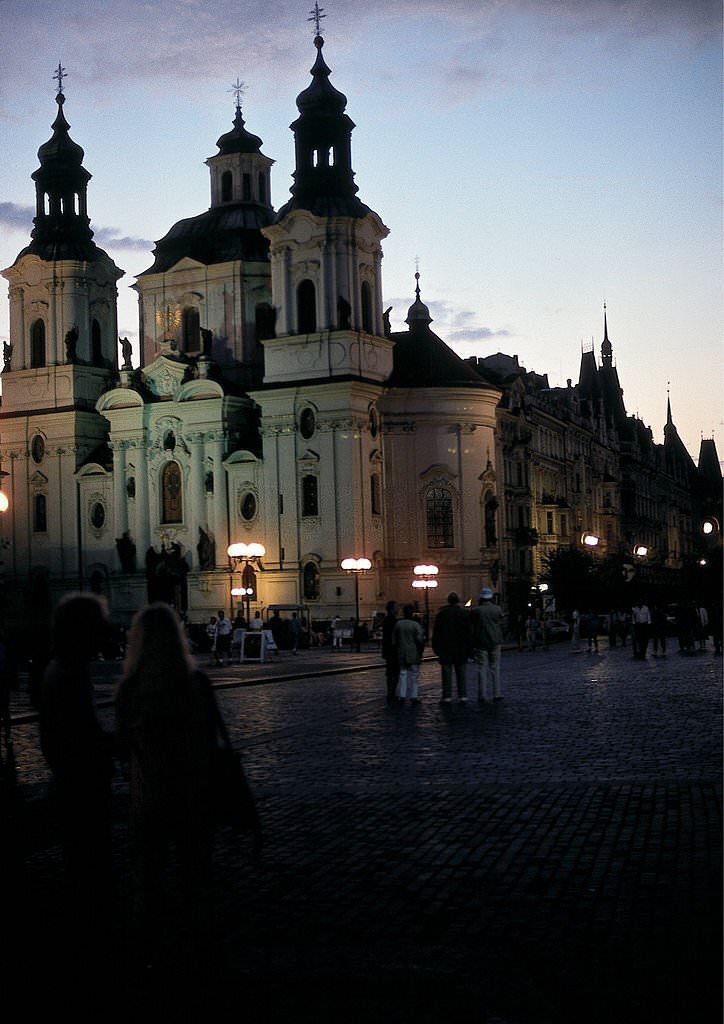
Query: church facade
[{"x": 273, "y": 405}]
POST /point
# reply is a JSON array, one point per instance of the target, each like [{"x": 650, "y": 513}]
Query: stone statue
[
  {"x": 126, "y": 349},
  {"x": 126, "y": 552},
  {"x": 7, "y": 355},
  {"x": 344, "y": 314},
  {"x": 206, "y": 550},
  {"x": 386, "y": 321},
  {"x": 71, "y": 345},
  {"x": 206, "y": 342}
]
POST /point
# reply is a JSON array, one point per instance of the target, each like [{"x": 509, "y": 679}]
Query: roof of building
[{"x": 230, "y": 232}]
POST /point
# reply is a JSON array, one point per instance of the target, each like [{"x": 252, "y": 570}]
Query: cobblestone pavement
[{"x": 552, "y": 857}]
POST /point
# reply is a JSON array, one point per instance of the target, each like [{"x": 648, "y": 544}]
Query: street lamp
[
  {"x": 355, "y": 566},
  {"x": 640, "y": 550},
  {"x": 4, "y": 501},
  {"x": 589, "y": 540},
  {"x": 710, "y": 526},
  {"x": 426, "y": 581},
  {"x": 250, "y": 555}
]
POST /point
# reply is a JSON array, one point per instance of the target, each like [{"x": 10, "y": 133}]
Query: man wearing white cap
[{"x": 487, "y": 639}]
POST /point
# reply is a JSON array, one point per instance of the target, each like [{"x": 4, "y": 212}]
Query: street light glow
[
  {"x": 590, "y": 540},
  {"x": 426, "y": 570},
  {"x": 355, "y": 564},
  {"x": 425, "y": 584},
  {"x": 4, "y": 503},
  {"x": 641, "y": 551}
]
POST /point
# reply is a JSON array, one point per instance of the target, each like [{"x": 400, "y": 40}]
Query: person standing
[
  {"x": 658, "y": 630},
  {"x": 211, "y": 637},
  {"x": 389, "y": 651},
  {"x": 451, "y": 643},
  {"x": 576, "y": 630},
  {"x": 79, "y": 752},
  {"x": 295, "y": 628},
  {"x": 408, "y": 639},
  {"x": 336, "y": 631},
  {"x": 641, "y": 622},
  {"x": 486, "y": 628},
  {"x": 223, "y": 639}
]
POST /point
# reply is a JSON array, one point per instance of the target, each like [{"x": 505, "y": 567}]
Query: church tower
[
  {"x": 325, "y": 368},
  {"x": 61, "y": 356}
]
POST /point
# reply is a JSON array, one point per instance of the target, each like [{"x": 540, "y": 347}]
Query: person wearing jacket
[
  {"x": 451, "y": 643},
  {"x": 409, "y": 642},
  {"x": 486, "y": 628}
]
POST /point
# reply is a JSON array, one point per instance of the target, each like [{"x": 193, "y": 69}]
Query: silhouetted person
[
  {"x": 79, "y": 752},
  {"x": 167, "y": 727},
  {"x": 389, "y": 651},
  {"x": 451, "y": 643},
  {"x": 408, "y": 637}
]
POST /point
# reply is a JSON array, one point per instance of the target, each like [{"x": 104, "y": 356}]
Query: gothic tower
[{"x": 61, "y": 356}]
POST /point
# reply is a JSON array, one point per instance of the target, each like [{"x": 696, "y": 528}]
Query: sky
[{"x": 538, "y": 157}]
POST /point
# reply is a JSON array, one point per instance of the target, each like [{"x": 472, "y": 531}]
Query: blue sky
[{"x": 538, "y": 156}]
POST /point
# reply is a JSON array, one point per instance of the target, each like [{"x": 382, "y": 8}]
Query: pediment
[
  {"x": 119, "y": 398},
  {"x": 186, "y": 263},
  {"x": 163, "y": 377}
]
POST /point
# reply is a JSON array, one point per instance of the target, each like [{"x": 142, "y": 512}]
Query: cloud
[
  {"x": 480, "y": 334},
  {"x": 113, "y": 239},
  {"x": 15, "y": 217}
]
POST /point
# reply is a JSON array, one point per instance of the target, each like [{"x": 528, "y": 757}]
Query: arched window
[
  {"x": 37, "y": 344},
  {"x": 227, "y": 187},
  {"x": 375, "y": 497},
  {"x": 262, "y": 189},
  {"x": 366, "y": 307},
  {"x": 439, "y": 518},
  {"x": 171, "y": 494},
  {"x": 96, "y": 349},
  {"x": 311, "y": 581},
  {"x": 306, "y": 307},
  {"x": 40, "y": 514},
  {"x": 491, "y": 534},
  {"x": 264, "y": 321},
  {"x": 310, "y": 496},
  {"x": 191, "y": 327},
  {"x": 246, "y": 187}
]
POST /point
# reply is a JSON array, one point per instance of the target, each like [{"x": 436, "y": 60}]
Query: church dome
[
  {"x": 321, "y": 97},
  {"x": 238, "y": 140}
]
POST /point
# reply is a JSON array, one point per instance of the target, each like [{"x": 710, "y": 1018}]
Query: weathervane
[
  {"x": 316, "y": 17},
  {"x": 60, "y": 74},
  {"x": 238, "y": 88}
]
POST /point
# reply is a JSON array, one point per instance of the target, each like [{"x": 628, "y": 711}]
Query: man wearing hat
[{"x": 487, "y": 639}]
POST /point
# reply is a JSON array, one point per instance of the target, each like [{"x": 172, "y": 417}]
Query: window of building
[
  {"x": 307, "y": 423},
  {"x": 366, "y": 298},
  {"x": 439, "y": 518},
  {"x": 564, "y": 526},
  {"x": 246, "y": 187},
  {"x": 227, "y": 187},
  {"x": 262, "y": 188},
  {"x": 306, "y": 307},
  {"x": 37, "y": 344},
  {"x": 96, "y": 348},
  {"x": 37, "y": 449},
  {"x": 311, "y": 581},
  {"x": 247, "y": 506},
  {"x": 264, "y": 320},
  {"x": 97, "y": 515},
  {"x": 310, "y": 496},
  {"x": 171, "y": 494},
  {"x": 40, "y": 514},
  {"x": 375, "y": 494},
  {"x": 191, "y": 328},
  {"x": 549, "y": 522}
]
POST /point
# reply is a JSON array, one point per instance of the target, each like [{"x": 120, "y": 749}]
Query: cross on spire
[
  {"x": 316, "y": 17},
  {"x": 238, "y": 89},
  {"x": 60, "y": 74}
]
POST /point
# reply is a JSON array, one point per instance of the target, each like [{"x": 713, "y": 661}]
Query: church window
[
  {"x": 264, "y": 321},
  {"x": 247, "y": 506},
  {"x": 439, "y": 518},
  {"x": 375, "y": 494},
  {"x": 491, "y": 507},
  {"x": 37, "y": 448},
  {"x": 310, "y": 496},
  {"x": 306, "y": 307},
  {"x": 373, "y": 422},
  {"x": 262, "y": 188},
  {"x": 37, "y": 344},
  {"x": 96, "y": 350},
  {"x": 366, "y": 307},
  {"x": 227, "y": 187},
  {"x": 40, "y": 514},
  {"x": 97, "y": 515},
  {"x": 171, "y": 494},
  {"x": 131, "y": 487},
  {"x": 246, "y": 187},
  {"x": 169, "y": 441},
  {"x": 191, "y": 327},
  {"x": 311, "y": 581},
  {"x": 307, "y": 423},
  {"x": 209, "y": 482}
]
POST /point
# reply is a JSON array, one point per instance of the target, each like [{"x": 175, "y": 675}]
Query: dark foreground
[{"x": 551, "y": 858}]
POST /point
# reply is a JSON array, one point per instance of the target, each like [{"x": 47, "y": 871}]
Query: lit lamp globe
[
  {"x": 589, "y": 540},
  {"x": 4, "y": 502}
]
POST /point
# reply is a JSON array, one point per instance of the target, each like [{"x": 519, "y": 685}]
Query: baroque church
[{"x": 272, "y": 405}]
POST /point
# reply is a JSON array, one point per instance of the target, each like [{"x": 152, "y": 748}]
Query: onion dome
[
  {"x": 321, "y": 97},
  {"x": 418, "y": 311},
  {"x": 238, "y": 140}
]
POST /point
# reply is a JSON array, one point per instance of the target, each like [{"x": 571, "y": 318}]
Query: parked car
[{"x": 558, "y": 630}]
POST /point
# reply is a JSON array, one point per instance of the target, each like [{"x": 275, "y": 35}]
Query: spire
[
  {"x": 418, "y": 311},
  {"x": 606, "y": 346},
  {"x": 61, "y": 225},
  {"x": 669, "y": 419}
]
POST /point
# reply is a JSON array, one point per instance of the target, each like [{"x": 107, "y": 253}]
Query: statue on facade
[
  {"x": 206, "y": 342},
  {"x": 386, "y": 321},
  {"x": 7, "y": 356},
  {"x": 344, "y": 314},
  {"x": 126, "y": 552},
  {"x": 126, "y": 349},
  {"x": 491, "y": 507},
  {"x": 206, "y": 550},
  {"x": 71, "y": 345}
]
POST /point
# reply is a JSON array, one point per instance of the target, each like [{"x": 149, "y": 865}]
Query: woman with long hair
[{"x": 167, "y": 728}]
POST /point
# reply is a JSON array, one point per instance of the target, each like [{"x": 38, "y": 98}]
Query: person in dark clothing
[
  {"x": 78, "y": 751},
  {"x": 389, "y": 651},
  {"x": 452, "y": 644}
]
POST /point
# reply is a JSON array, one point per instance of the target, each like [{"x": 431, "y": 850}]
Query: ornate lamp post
[
  {"x": 250, "y": 556},
  {"x": 425, "y": 580},
  {"x": 355, "y": 566}
]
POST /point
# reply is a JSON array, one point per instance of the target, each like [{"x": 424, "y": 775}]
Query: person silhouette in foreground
[
  {"x": 167, "y": 728},
  {"x": 80, "y": 755}
]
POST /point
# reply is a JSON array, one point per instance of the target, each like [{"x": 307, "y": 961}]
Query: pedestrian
[
  {"x": 658, "y": 630},
  {"x": 167, "y": 729},
  {"x": 641, "y": 622},
  {"x": 211, "y": 637},
  {"x": 576, "y": 630},
  {"x": 531, "y": 631},
  {"x": 80, "y": 756},
  {"x": 389, "y": 651},
  {"x": 408, "y": 638},
  {"x": 451, "y": 643},
  {"x": 486, "y": 631},
  {"x": 223, "y": 639},
  {"x": 592, "y": 627},
  {"x": 702, "y": 626},
  {"x": 256, "y": 624},
  {"x": 336, "y": 631},
  {"x": 296, "y": 629},
  {"x": 277, "y": 627}
]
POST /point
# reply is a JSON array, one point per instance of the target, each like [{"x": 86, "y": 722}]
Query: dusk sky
[{"x": 538, "y": 156}]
